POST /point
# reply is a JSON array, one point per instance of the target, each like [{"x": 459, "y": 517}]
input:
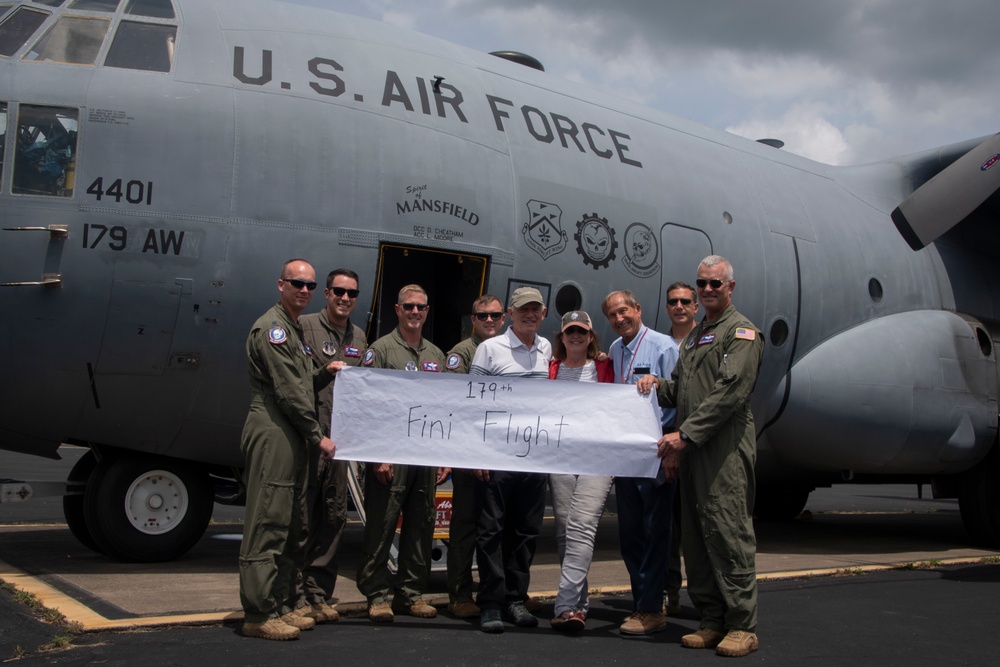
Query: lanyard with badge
[{"x": 626, "y": 375}]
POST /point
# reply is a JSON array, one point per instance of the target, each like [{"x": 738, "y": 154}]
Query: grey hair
[{"x": 712, "y": 260}]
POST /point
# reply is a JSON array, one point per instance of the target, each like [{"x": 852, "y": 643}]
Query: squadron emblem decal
[
  {"x": 641, "y": 251},
  {"x": 543, "y": 232},
  {"x": 595, "y": 240},
  {"x": 276, "y": 335}
]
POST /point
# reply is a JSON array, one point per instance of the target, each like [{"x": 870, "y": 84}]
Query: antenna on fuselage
[{"x": 520, "y": 59}]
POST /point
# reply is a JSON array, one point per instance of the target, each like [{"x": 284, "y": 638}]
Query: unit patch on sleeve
[{"x": 277, "y": 335}]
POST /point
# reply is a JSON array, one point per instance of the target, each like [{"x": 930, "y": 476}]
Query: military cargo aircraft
[{"x": 160, "y": 159}]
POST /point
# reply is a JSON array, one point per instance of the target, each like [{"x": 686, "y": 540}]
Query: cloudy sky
[{"x": 842, "y": 82}]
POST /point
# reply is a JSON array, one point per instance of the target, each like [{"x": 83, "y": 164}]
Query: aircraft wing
[{"x": 951, "y": 195}]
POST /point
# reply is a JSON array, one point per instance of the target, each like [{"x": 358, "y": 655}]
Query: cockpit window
[
  {"x": 95, "y": 5},
  {"x": 73, "y": 39},
  {"x": 18, "y": 27},
  {"x": 158, "y": 9},
  {"x": 145, "y": 46},
  {"x": 142, "y": 33},
  {"x": 45, "y": 155}
]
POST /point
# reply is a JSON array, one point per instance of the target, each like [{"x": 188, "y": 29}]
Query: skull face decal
[{"x": 595, "y": 241}]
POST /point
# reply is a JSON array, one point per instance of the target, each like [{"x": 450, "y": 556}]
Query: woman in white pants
[{"x": 578, "y": 500}]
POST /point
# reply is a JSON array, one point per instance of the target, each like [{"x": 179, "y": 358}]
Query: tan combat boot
[
  {"x": 737, "y": 644},
  {"x": 272, "y": 628}
]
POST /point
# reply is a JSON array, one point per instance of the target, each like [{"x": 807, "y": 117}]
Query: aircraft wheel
[
  {"x": 979, "y": 500},
  {"x": 780, "y": 502},
  {"x": 147, "y": 508},
  {"x": 73, "y": 506}
]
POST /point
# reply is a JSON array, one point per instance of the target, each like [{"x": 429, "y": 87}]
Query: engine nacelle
[{"x": 852, "y": 398}]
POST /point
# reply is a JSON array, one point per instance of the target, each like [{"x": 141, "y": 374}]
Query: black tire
[
  {"x": 73, "y": 505},
  {"x": 780, "y": 502},
  {"x": 979, "y": 501},
  {"x": 147, "y": 509}
]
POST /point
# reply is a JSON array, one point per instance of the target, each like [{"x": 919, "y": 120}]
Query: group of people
[{"x": 700, "y": 502}]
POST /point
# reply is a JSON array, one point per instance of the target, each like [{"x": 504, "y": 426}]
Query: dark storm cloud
[{"x": 896, "y": 42}]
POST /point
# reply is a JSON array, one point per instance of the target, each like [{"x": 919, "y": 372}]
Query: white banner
[{"x": 494, "y": 423}]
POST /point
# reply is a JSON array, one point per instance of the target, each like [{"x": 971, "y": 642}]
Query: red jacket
[{"x": 605, "y": 370}]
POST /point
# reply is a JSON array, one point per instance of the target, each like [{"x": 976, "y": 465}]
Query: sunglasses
[
  {"x": 299, "y": 284},
  {"x": 715, "y": 283},
  {"x": 686, "y": 302},
  {"x": 575, "y": 331},
  {"x": 410, "y": 306},
  {"x": 482, "y": 317},
  {"x": 341, "y": 291}
]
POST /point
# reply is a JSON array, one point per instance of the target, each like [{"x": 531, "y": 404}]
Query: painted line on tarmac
[{"x": 91, "y": 621}]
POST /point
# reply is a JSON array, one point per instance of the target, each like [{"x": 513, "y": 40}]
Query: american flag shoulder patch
[{"x": 746, "y": 334}]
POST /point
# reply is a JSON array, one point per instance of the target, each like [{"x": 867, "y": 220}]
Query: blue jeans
[{"x": 645, "y": 512}]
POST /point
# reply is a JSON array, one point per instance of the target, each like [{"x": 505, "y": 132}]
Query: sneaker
[
  {"x": 516, "y": 613},
  {"x": 272, "y": 628},
  {"x": 324, "y": 613},
  {"x": 489, "y": 621},
  {"x": 569, "y": 621},
  {"x": 644, "y": 623},
  {"x": 380, "y": 612},
  {"x": 704, "y": 638},
  {"x": 463, "y": 609},
  {"x": 417, "y": 607},
  {"x": 298, "y": 621},
  {"x": 737, "y": 644}
]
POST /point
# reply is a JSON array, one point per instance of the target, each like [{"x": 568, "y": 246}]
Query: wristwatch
[{"x": 684, "y": 437}]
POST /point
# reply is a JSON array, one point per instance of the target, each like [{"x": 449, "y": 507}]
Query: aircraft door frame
[
  {"x": 453, "y": 279},
  {"x": 682, "y": 248}
]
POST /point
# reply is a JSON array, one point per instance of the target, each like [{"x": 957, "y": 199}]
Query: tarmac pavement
[
  {"x": 872, "y": 574},
  {"x": 942, "y": 616}
]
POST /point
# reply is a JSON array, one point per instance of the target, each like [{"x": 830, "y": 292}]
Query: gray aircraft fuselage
[{"x": 279, "y": 131}]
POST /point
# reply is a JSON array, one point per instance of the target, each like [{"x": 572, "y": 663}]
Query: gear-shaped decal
[{"x": 595, "y": 240}]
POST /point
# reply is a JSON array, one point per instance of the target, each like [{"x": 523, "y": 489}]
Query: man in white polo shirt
[{"x": 512, "y": 499}]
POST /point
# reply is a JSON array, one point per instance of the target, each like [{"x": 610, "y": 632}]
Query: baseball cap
[
  {"x": 522, "y": 296},
  {"x": 577, "y": 318}
]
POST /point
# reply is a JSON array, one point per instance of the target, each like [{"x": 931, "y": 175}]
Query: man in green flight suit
[
  {"x": 331, "y": 336},
  {"x": 487, "y": 321},
  {"x": 391, "y": 490},
  {"x": 280, "y": 433},
  {"x": 713, "y": 453}
]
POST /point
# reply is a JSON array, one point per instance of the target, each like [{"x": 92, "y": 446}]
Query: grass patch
[{"x": 60, "y": 636}]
